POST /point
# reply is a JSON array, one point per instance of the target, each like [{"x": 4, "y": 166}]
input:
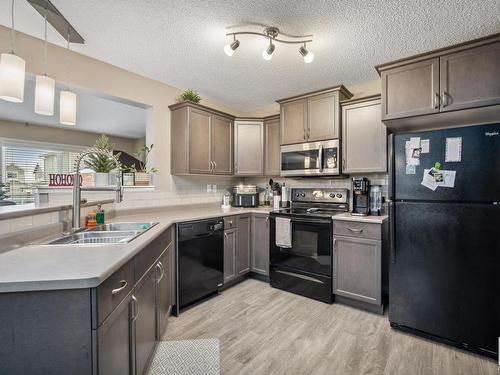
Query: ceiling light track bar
[
  {"x": 57, "y": 20},
  {"x": 273, "y": 38}
]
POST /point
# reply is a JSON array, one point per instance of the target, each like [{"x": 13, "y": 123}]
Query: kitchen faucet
[{"x": 77, "y": 188}]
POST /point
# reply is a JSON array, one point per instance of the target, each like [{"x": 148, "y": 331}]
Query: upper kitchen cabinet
[
  {"x": 457, "y": 85},
  {"x": 411, "y": 90},
  {"x": 272, "y": 163},
  {"x": 364, "y": 136},
  {"x": 201, "y": 140},
  {"x": 248, "y": 148},
  {"x": 313, "y": 116}
]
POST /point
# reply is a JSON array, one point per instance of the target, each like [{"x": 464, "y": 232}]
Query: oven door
[
  {"x": 311, "y": 249},
  {"x": 310, "y": 159}
]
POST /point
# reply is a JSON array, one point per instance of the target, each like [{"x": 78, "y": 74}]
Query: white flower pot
[{"x": 101, "y": 179}]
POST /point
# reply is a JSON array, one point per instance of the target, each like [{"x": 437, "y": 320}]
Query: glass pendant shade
[
  {"x": 12, "y": 74},
  {"x": 44, "y": 95},
  {"x": 67, "y": 108}
]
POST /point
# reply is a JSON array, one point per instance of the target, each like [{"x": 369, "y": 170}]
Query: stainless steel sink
[
  {"x": 112, "y": 227},
  {"x": 111, "y": 233}
]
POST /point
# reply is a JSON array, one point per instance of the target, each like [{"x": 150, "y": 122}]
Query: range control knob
[
  {"x": 339, "y": 195},
  {"x": 332, "y": 195},
  {"x": 303, "y": 195}
]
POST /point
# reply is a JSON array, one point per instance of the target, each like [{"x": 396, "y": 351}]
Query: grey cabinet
[
  {"x": 201, "y": 140},
  {"x": 470, "y": 78},
  {"x": 260, "y": 244},
  {"x": 243, "y": 245},
  {"x": 293, "y": 122},
  {"x": 164, "y": 270},
  {"x": 114, "y": 341},
  {"x": 323, "y": 118},
  {"x": 272, "y": 163},
  {"x": 449, "y": 82},
  {"x": 364, "y": 137},
  {"x": 230, "y": 254},
  {"x": 248, "y": 148},
  {"x": 411, "y": 90},
  {"x": 313, "y": 116},
  {"x": 357, "y": 269},
  {"x": 144, "y": 329}
]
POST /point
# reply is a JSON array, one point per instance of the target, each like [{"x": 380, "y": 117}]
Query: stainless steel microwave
[{"x": 311, "y": 159}]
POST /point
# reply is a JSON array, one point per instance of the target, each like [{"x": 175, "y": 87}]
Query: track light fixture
[{"x": 272, "y": 34}]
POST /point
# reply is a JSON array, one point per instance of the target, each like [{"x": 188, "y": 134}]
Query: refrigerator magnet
[{"x": 453, "y": 152}]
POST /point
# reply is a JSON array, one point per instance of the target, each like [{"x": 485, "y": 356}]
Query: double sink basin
[{"x": 112, "y": 233}]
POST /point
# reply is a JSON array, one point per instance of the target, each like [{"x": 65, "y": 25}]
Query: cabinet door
[
  {"x": 243, "y": 242},
  {"x": 114, "y": 342},
  {"x": 163, "y": 291},
  {"x": 293, "y": 122},
  {"x": 410, "y": 90},
  {"x": 249, "y": 148},
  {"x": 364, "y": 138},
  {"x": 145, "y": 321},
  {"x": 229, "y": 254},
  {"x": 260, "y": 244},
  {"x": 323, "y": 119},
  {"x": 199, "y": 141},
  {"x": 470, "y": 78},
  {"x": 222, "y": 145},
  {"x": 272, "y": 162},
  {"x": 357, "y": 269}
]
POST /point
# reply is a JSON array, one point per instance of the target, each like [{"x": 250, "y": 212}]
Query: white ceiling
[
  {"x": 181, "y": 42},
  {"x": 94, "y": 114}
]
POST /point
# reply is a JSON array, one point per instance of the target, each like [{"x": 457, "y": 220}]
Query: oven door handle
[
  {"x": 319, "y": 162},
  {"x": 306, "y": 220},
  {"x": 298, "y": 275}
]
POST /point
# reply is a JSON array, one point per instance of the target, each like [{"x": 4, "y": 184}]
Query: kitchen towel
[{"x": 283, "y": 232}]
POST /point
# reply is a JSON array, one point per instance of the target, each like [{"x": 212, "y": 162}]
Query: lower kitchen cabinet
[
  {"x": 260, "y": 244},
  {"x": 243, "y": 245},
  {"x": 357, "y": 268},
  {"x": 114, "y": 341},
  {"x": 230, "y": 254}
]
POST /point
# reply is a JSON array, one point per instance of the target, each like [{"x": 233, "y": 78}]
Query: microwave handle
[{"x": 319, "y": 163}]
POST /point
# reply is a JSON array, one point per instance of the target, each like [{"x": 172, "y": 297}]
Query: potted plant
[
  {"x": 143, "y": 176},
  {"x": 101, "y": 164},
  {"x": 190, "y": 96}
]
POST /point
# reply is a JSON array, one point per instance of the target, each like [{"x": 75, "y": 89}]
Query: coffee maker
[{"x": 360, "y": 196}]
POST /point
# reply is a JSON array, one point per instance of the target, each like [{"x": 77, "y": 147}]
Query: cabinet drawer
[
  {"x": 145, "y": 259},
  {"x": 357, "y": 229},
  {"x": 112, "y": 291},
  {"x": 230, "y": 222}
]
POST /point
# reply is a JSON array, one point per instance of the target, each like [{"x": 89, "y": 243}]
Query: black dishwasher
[{"x": 200, "y": 257}]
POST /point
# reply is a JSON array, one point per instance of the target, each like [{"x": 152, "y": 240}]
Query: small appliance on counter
[
  {"x": 376, "y": 200},
  {"x": 361, "y": 196},
  {"x": 285, "y": 196},
  {"x": 245, "y": 196}
]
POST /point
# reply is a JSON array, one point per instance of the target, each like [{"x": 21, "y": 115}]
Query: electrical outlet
[{"x": 209, "y": 188}]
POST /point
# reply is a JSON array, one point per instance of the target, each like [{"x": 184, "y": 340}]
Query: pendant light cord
[
  {"x": 12, "y": 31},
  {"x": 45, "y": 46}
]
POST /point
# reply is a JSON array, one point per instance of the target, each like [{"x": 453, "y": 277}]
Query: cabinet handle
[
  {"x": 334, "y": 244},
  {"x": 159, "y": 267},
  {"x": 215, "y": 165},
  {"x": 445, "y": 99},
  {"x": 437, "y": 99},
  {"x": 135, "y": 308},
  {"x": 308, "y": 133},
  {"x": 225, "y": 235},
  {"x": 304, "y": 136},
  {"x": 123, "y": 285},
  {"x": 356, "y": 230},
  {"x": 344, "y": 165}
]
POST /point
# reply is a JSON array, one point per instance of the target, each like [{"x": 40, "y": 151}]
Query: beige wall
[
  {"x": 31, "y": 132},
  {"x": 95, "y": 75}
]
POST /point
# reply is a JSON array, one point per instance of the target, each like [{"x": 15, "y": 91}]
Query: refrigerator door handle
[{"x": 392, "y": 233}]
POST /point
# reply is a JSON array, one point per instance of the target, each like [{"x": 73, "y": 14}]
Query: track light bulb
[
  {"x": 230, "y": 48},
  {"x": 307, "y": 55},
  {"x": 267, "y": 54}
]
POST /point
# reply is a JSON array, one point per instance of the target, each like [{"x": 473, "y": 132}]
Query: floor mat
[{"x": 186, "y": 357}]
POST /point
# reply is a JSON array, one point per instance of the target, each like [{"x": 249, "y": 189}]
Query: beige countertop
[
  {"x": 347, "y": 216},
  {"x": 49, "y": 267}
]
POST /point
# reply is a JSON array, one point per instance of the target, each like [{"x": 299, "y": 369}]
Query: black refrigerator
[{"x": 444, "y": 271}]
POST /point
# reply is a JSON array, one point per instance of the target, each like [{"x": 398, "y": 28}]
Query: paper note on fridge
[
  {"x": 411, "y": 157},
  {"x": 430, "y": 182},
  {"x": 453, "y": 150},
  {"x": 424, "y": 146}
]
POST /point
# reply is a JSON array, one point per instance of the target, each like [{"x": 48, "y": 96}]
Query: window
[{"x": 27, "y": 165}]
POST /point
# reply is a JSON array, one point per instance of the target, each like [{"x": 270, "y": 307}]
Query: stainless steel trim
[
  {"x": 118, "y": 290},
  {"x": 392, "y": 234},
  {"x": 299, "y": 276},
  {"x": 319, "y": 161}
]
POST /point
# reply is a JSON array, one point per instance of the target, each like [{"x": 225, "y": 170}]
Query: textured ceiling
[{"x": 181, "y": 42}]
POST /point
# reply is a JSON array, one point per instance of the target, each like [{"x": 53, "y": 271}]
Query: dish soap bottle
[{"x": 99, "y": 216}]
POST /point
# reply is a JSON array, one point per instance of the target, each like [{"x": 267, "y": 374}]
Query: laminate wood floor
[{"x": 263, "y": 330}]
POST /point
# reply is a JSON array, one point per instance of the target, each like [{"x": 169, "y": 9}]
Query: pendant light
[
  {"x": 67, "y": 100},
  {"x": 12, "y": 71},
  {"x": 267, "y": 54},
  {"x": 45, "y": 86}
]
